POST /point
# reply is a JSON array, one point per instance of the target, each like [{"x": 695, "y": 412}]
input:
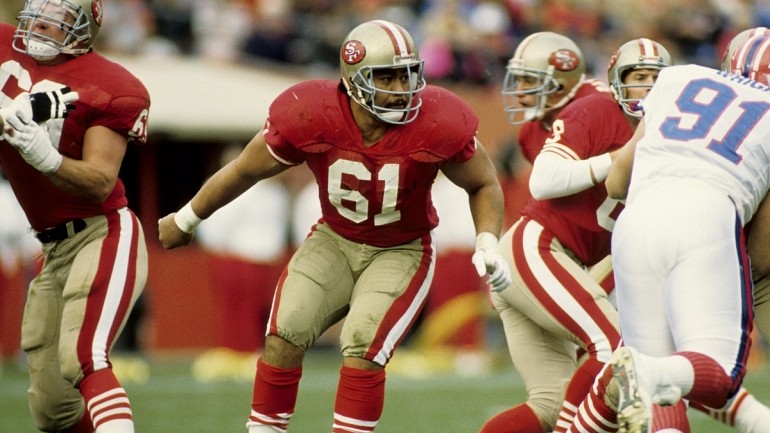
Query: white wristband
[
  {"x": 486, "y": 241},
  {"x": 186, "y": 219}
]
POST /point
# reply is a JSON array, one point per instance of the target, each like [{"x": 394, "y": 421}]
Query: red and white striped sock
[
  {"x": 578, "y": 388},
  {"x": 360, "y": 399},
  {"x": 273, "y": 398},
  {"x": 107, "y": 402},
  {"x": 593, "y": 414}
]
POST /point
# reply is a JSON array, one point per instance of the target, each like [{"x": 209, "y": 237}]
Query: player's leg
[
  {"x": 389, "y": 293},
  {"x": 545, "y": 363},
  {"x": 54, "y": 403},
  {"x": 104, "y": 270},
  {"x": 554, "y": 292},
  {"x": 311, "y": 295},
  {"x": 743, "y": 411},
  {"x": 709, "y": 358}
]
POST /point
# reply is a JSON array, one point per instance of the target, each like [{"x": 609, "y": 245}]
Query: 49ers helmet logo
[
  {"x": 564, "y": 60},
  {"x": 353, "y": 52}
]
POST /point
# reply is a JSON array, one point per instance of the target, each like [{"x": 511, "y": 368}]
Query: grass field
[{"x": 172, "y": 401}]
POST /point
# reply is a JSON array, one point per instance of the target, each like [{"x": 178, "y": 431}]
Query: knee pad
[
  {"x": 71, "y": 370},
  {"x": 56, "y": 409}
]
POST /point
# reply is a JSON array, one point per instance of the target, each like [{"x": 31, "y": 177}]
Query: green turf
[{"x": 173, "y": 402}]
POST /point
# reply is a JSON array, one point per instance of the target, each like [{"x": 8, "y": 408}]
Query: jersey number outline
[
  {"x": 708, "y": 114},
  {"x": 388, "y": 174}
]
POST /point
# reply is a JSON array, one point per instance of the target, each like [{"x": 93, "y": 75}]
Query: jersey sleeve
[
  {"x": 445, "y": 130},
  {"x": 305, "y": 118},
  {"x": 126, "y": 111}
]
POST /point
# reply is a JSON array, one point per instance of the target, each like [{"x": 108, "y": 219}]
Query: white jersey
[{"x": 716, "y": 129}]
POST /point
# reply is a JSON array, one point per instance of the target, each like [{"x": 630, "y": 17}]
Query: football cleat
[{"x": 634, "y": 401}]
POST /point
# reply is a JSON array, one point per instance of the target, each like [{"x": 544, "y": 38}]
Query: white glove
[
  {"x": 34, "y": 145},
  {"x": 20, "y": 111},
  {"x": 488, "y": 260}
]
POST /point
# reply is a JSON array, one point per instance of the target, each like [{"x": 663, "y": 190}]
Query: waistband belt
[{"x": 61, "y": 232}]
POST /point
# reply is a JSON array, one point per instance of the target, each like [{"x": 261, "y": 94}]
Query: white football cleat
[{"x": 635, "y": 402}]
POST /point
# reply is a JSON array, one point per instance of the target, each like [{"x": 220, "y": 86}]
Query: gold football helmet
[
  {"x": 78, "y": 21},
  {"x": 639, "y": 53},
  {"x": 376, "y": 45},
  {"x": 547, "y": 65}
]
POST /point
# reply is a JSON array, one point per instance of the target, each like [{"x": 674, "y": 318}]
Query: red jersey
[
  {"x": 110, "y": 96},
  {"x": 583, "y": 221},
  {"x": 377, "y": 194},
  {"x": 533, "y": 134}
]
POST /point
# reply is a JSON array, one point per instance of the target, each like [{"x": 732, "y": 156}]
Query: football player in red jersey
[
  {"x": 544, "y": 75},
  {"x": 64, "y": 173},
  {"x": 375, "y": 141},
  {"x": 554, "y": 304}
]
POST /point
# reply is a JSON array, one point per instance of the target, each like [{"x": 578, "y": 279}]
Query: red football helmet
[{"x": 751, "y": 59}]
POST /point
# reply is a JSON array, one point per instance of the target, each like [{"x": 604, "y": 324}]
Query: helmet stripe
[
  {"x": 759, "y": 56},
  {"x": 748, "y": 54},
  {"x": 397, "y": 37},
  {"x": 648, "y": 49}
]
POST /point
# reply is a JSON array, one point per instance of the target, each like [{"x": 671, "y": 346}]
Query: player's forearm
[
  {"x": 486, "y": 205},
  {"x": 554, "y": 176},
  {"x": 83, "y": 179}
]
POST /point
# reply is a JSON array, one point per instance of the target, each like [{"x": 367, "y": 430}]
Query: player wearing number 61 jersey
[{"x": 375, "y": 142}]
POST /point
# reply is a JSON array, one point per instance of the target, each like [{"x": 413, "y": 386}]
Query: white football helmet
[
  {"x": 545, "y": 64},
  {"x": 639, "y": 53},
  {"x": 377, "y": 45},
  {"x": 738, "y": 40},
  {"x": 751, "y": 58},
  {"x": 77, "y": 20}
]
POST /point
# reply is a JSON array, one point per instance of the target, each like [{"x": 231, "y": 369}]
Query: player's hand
[
  {"x": 18, "y": 112},
  {"x": 170, "y": 235},
  {"x": 34, "y": 145},
  {"x": 488, "y": 260},
  {"x": 54, "y": 104}
]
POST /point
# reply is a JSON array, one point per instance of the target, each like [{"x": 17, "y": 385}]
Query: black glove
[{"x": 54, "y": 104}]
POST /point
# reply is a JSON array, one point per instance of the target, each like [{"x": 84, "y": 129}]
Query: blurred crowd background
[
  {"x": 466, "y": 45},
  {"x": 461, "y": 40}
]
